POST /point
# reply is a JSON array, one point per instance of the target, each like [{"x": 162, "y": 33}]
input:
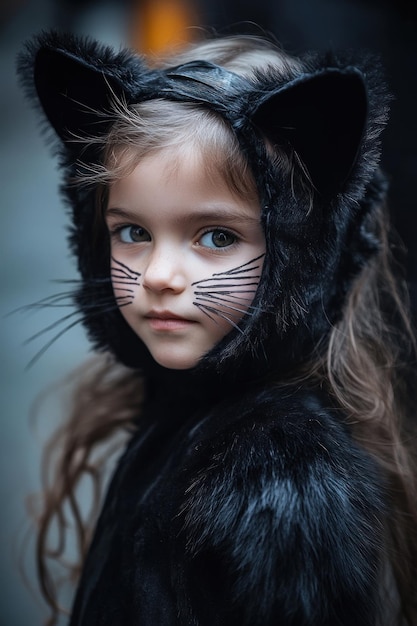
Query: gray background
[{"x": 33, "y": 253}]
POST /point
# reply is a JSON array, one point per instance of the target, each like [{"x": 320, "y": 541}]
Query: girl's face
[{"x": 186, "y": 253}]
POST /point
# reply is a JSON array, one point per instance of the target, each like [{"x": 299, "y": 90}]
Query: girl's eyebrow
[
  {"x": 216, "y": 215},
  {"x": 221, "y": 216},
  {"x": 116, "y": 212}
]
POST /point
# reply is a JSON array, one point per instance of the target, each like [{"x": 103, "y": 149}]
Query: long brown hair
[
  {"x": 106, "y": 397},
  {"x": 365, "y": 364},
  {"x": 370, "y": 368}
]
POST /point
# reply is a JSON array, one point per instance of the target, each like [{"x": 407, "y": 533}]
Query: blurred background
[{"x": 33, "y": 224}]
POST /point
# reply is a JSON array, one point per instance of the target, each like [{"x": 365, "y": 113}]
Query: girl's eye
[
  {"x": 217, "y": 239},
  {"x": 133, "y": 234}
]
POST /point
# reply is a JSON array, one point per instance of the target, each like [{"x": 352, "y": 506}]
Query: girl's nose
[{"x": 164, "y": 271}]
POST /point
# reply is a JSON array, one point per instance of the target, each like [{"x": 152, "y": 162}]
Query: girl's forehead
[
  {"x": 178, "y": 189},
  {"x": 153, "y": 166},
  {"x": 187, "y": 160},
  {"x": 166, "y": 163},
  {"x": 184, "y": 172}
]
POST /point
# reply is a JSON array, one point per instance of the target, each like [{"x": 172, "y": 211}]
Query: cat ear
[
  {"x": 75, "y": 84},
  {"x": 322, "y": 118}
]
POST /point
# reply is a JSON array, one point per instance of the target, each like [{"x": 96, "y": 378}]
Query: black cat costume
[{"x": 242, "y": 497}]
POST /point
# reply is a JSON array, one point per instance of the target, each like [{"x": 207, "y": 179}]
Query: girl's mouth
[{"x": 166, "y": 320}]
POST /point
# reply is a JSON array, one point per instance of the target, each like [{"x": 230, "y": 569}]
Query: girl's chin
[{"x": 176, "y": 361}]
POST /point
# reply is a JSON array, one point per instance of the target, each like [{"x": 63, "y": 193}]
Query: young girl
[{"x": 231, "y": 235}]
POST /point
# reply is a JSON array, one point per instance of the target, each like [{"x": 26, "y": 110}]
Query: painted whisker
[
  {"x": 237, "y": 300},
  {"x": 233, "y": 299},
  {"x": 233, "y": 274},
  {"x": 202, "y": 309},
  {"x": 209, "y": 280},
  {"x": 205, "y": 308},
  {"x": 117, "y": 272},
  {"x": 122, "y": 276},
  {"x": 227, "y": 303},
  {"x": 227, "y": 294},
  {"x": 225, "y": 306},
  {"x": 238, "y": 269},
  {"x": 124, "y": 282},
  {"x": 124, "y": 288},
  {"x": 127, "y": 270}
]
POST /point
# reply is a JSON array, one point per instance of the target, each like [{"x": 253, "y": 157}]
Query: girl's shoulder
[
  {"x": 276, "y": 418},
  {"x": 277, "y": 484},
  {"x": 287, "y": 443},
  {"x": 286, "y": 451}
]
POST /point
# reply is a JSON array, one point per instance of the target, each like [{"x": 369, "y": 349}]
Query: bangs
[{"x": 160, "y": 125}]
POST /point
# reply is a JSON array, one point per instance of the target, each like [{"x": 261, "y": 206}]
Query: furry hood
[{"x": 326, "y": 113}]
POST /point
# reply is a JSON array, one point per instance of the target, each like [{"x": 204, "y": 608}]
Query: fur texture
[
  {"x": 262, "y": 511},
  {"x": 330, "y": 114},
  {"x": 237, "y": 502}
]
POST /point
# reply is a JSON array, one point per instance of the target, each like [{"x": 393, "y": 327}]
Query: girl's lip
[
  {"x": 165, "y": 315},
  {"x": 166, "y": 321}
]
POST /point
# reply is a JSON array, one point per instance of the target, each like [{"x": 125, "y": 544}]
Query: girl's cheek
[
  {"x": 229, "y": 294},
  {"x": 125, "y": 282}
]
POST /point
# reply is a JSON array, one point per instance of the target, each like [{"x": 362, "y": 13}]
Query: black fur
[
  {"x": 237, "y": 502},
  {"x": 256, "y": 511},
  {"x": 315, "y": 245}
]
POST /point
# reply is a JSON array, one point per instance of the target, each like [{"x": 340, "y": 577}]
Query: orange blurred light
[{"x": 162, "y": 25}]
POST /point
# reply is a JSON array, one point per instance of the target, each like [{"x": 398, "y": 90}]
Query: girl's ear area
[
  {"x": 76, "y": 83},
  {"x": 73, "y": 94},
  {"x": 322, "y": 119}
]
